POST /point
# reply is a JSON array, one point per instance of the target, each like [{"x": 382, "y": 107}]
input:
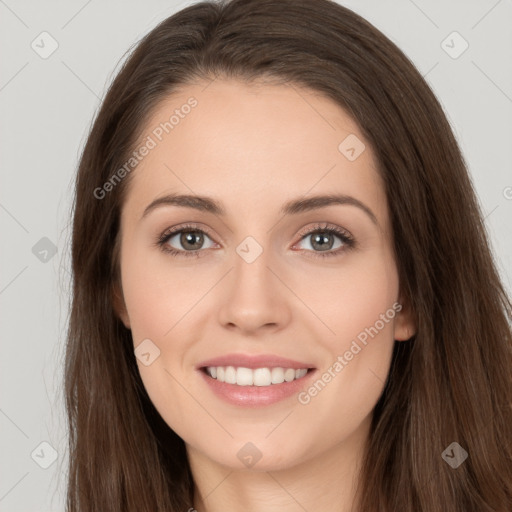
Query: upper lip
[{"x": 254, "y": 361}]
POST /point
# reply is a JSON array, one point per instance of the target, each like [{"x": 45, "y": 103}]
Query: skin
[{"x": 252, "y": 148}]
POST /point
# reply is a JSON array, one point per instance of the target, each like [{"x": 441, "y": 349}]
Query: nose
[{"x": 254, "y": 297}]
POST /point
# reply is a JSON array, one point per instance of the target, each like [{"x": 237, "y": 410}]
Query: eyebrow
[{"x": 210, "y": 205}]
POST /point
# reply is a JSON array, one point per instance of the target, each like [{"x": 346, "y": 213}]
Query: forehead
[{"x": 253, "y": 144}]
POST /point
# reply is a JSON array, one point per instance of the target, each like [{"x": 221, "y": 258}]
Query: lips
[{"x": 255, "y": 380}]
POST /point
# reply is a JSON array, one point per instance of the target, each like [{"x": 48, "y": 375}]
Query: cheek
[
  {"x": 157, "y": 298},
  {"x": 352, "y": 297},
  {"x": 359, "y": 308},
  {"x": 157, "y": 293}
]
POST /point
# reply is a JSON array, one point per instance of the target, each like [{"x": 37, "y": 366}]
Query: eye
[
  {"x": 190, "y": 237},
  {"x": 322, "y": 239}
]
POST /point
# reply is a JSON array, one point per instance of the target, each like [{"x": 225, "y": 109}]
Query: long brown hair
[{"x": 451, "y": 382}]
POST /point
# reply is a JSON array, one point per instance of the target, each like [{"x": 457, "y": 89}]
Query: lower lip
[{"x": 256, "y": 396}]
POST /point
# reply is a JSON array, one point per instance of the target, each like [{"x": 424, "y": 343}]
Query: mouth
[
  {"x": 261, "y": 377},
  {"x": 255, "y": 380}
]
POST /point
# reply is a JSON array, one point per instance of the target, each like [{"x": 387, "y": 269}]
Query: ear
[
  {"x": 120, "y": 306},
  {"x": 404, "y": 325}
]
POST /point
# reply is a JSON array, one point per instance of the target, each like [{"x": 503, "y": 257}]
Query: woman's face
[{"x": 255, "y": 281}]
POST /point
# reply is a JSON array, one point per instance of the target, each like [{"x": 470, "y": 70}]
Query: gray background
[{"x": 46, "y": 106}]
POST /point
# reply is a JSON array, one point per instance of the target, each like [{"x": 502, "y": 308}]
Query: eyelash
[{"x": 346, "y": 238}]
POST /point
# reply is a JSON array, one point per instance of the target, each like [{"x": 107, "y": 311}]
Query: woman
[{"x": 337, "y": 337}]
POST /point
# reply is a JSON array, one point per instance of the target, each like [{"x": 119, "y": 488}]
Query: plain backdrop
[{"x": 46, "y": 106}]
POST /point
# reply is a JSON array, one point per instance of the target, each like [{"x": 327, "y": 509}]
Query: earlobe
[
  {"x": 404, "y": 327},
  {"x": 120, "y": 306}
]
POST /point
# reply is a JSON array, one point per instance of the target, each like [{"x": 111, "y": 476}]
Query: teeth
[
  {"x": 277, "y": 375},
  {"x": 244, "y": 377},
  {"x": 230, "y": 375},
  {"x": 257, "y": 377},
  {"x": 262, "y": 377}
]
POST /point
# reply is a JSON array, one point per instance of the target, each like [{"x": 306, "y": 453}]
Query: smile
[{"x": 254, "y": 376}]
